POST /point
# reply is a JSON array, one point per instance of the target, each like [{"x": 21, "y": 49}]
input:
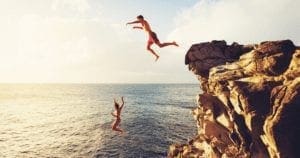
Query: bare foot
[
  {"x": 175, "y": 44},
  {"x": 156, "y": 58}
]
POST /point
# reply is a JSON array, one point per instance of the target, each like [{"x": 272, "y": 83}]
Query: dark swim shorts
[{"x": 153, "y": 37}]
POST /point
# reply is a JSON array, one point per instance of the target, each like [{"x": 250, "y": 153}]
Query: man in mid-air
[{"x": 152, "y": 35}]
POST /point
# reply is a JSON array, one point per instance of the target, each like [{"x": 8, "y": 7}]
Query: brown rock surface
[{"x": 250, "y": 106}]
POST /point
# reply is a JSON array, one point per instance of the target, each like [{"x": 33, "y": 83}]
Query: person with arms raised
[{"x": 117, "y": 114}]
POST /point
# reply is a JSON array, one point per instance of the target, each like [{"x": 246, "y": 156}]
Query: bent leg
[
  {"x": 115, "y": 125},
  {"x": 118, "y": 129},
  {"x": 151, "y": 50}
]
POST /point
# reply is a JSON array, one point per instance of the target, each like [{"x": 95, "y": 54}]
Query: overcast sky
[{"x": 87, "y": 41}]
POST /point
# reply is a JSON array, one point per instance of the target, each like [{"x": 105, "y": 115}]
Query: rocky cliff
[{"x": 250, "y": 105}]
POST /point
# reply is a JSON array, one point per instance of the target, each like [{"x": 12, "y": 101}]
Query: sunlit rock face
[{"x": 250, "y": 105}]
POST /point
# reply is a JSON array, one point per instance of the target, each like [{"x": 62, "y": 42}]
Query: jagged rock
[
  {"x": 201, "y": 57},
  {"x": 250, "y": 100}
]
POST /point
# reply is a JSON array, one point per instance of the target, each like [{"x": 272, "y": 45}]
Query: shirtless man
[
  {"x": 152, "y": 35},
  {"x": 117, "y": 114}
]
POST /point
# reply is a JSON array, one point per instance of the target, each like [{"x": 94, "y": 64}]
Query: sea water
[{"x": 74, "y": 120}]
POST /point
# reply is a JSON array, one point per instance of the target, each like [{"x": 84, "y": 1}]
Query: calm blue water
[{"x": 56, "y": 120}]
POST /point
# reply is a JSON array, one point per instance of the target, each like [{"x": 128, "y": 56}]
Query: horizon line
[{"x": 98, "y": 83}]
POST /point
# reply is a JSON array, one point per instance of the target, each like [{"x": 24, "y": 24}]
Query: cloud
[
  {"x": 81, "y": 6},
  {"x": 237, "y": 20},
  {"x": 41, "y": 48},
  {"x": 76, "y": 41},
  {"x": 56, "y": 40}
]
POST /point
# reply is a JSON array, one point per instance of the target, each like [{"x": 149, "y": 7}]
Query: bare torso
[
  {"x": 118, "y": 113},
  {"x": 146, "y": 26}
]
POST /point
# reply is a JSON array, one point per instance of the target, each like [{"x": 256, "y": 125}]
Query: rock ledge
[{"x": 250, "y": 105}]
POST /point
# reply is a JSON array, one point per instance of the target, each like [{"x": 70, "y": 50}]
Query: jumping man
[{"x": 152, "y": 35}]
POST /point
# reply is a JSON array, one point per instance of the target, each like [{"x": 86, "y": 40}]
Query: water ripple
[{"x": 75, "y": 121}]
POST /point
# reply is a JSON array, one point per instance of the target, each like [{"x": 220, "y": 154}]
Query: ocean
[{"x": 74, "y": 120}]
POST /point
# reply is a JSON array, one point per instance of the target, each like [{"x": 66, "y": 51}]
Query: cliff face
[{"x": 250, "y": 106}]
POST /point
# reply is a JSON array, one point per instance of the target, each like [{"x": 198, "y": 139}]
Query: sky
[{"x": 87, "y": 41}]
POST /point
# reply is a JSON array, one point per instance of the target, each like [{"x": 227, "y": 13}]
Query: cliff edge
[{"x": 250, "y": 105}]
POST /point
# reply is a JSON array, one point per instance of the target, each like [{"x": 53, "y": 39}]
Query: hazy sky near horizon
[{"x": 87, "y": 41}]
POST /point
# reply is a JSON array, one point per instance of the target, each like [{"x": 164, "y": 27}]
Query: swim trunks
[{"x": 153, "y": 38}]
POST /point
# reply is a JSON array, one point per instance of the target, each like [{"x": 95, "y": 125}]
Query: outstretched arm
[
  {"x": 133, "y": 22},
  {"x": 137, "y": 27},
  {"x": 122, "y": 103}
]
